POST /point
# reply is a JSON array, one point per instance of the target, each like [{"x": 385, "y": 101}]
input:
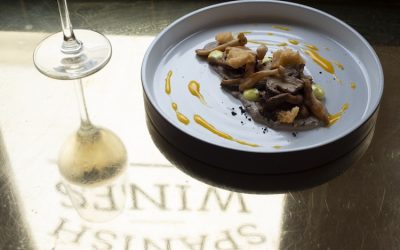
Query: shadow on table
[
  {"x": 14, "y": 232},
  {"x": 251, "y": 183}
]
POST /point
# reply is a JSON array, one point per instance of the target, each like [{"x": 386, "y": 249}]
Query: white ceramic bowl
[{"x": 357, "y": 81}]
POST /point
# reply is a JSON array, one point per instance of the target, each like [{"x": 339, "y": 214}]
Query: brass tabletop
[{"x": 167, "y": 208}]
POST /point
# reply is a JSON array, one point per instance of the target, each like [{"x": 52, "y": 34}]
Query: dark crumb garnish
[
  {"x": 320, "y": 72},
  {"x": 233, "y": 113},
  {"x": 294, "y": 134},
  {"x": 242, "y": 110},
  {"x": 242, "y": 122}
]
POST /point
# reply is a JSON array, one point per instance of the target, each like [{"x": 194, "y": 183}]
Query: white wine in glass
[{"x": 92, "y": 160}]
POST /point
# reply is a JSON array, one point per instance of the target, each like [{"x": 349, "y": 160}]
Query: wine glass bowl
[{"x": 91, "y": 160}]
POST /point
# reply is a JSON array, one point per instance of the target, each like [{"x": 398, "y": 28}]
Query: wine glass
[{"x": 93, "y": 160}]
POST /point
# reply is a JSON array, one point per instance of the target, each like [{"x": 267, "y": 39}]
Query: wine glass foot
[{"x": 52, "y": 61}]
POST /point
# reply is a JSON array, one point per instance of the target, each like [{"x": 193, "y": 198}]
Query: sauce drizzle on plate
[
  {"x": 194, "y": 89},
  {"x": 333, "y": 118},
  {"x": 202, "y": 122},
  {"x": 168, "y": 82},
  {"x": 181, "y": 117},
  {"x": 278, "y": 27},
  {"x": 321, "y": 61}
]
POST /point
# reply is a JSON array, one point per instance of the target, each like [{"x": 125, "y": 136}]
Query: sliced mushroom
[
  {"x": 251, "y": 80},
  {"x": 284, "y": 85},
  {"x": 226, "y": 82},
  {"x": 227, "y": 72},
  {"x": 313, "y": 104},
  {"x": 276, "y": 101},
  {"x": 294, "y": 70},
  {"x": 239, "y": 41}
]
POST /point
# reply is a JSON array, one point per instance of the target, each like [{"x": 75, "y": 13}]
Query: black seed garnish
[{"x": 242, "y": 110}]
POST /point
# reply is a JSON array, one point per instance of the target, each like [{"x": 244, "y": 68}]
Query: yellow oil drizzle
[
  {"x": 194, "y": 89},
  {"x": 333, "y": 118},
  {"x": 324, "y": 63},
  {"x": 199, "y": 120},
  {"x": 326, "y": 48},
  {"x": 279, "y": 44},
  {"x": 246, "y": 32},
  {"x": 293, "y": 41},
  {"x": 168, "y": 83},
  {"x": 270, "y": 33},
  {"x": 280, "y": 27},
  {"x": 339, "y": 65},
  {"x": 353, "y": 85},
  {"x": 181, "y": 117},
  {"x": 268, "y": 44},
  {"x": 277, "y": 147},
  {"x": 310, "y": 46}
]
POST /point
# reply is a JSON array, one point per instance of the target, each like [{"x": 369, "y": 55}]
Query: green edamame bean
[
  {"x": 318, "y": 91},
  {"x": 251, "y": 94},
  {"x": 216, "y": 54}
]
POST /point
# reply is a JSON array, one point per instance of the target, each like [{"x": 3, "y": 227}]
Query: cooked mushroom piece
[
  {"x": 224, "y": 37},
  {"x": 250, "y": 81},
  {"x": 313, "y": 104},
  {"x": 284, "y": 85},
  {"x": 226, "y": 82},
  {"x": 276, "y": 101},
  {"x": 249, "y": 69},
  {"x": 261, "y": 52},
  {"x": 239, "y": 41},
  {"x": 303, "y": 113}
]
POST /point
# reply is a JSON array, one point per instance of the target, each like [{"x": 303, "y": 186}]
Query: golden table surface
[{"x": 168, "y": 209}]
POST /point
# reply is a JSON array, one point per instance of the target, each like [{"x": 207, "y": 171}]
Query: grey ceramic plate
[{"x": 349, "y": 71}]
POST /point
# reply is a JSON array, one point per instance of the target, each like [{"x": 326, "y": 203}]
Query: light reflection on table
[{"x": 163, "y": 203}]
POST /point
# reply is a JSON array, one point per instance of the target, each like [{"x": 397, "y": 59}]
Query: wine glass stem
[
  {"x": 86, "y": 125},
  {"x": 70, "y": 44}
]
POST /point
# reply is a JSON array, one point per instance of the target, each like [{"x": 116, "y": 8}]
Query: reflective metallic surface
[{"x": 167, "y": 208}]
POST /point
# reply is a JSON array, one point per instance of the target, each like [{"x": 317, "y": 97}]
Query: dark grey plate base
[{"x": 257, "y": 183}]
